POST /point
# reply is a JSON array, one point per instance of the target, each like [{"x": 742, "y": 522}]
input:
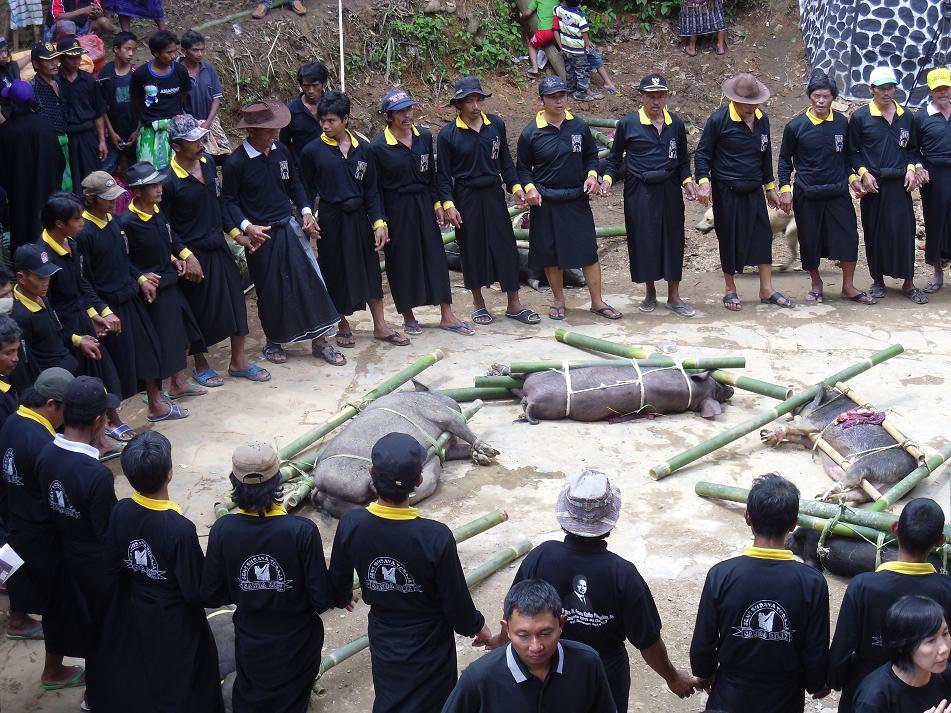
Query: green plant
[
  {"x": 601, "y": 21},
  {"x": 500, "y": 39}
]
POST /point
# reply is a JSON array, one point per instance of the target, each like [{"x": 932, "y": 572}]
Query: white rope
[
  {"x": 639, "y": 381},
  {"x": 689, "y": 384},
  {"x": 568, "y": 391}
]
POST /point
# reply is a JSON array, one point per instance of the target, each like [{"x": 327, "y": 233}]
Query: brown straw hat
[
  {"x": 264, "y": 114},
  {"x": 746, "y": 89}
]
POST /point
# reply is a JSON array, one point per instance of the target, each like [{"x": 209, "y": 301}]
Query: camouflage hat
[
  {"x": 184, "y": 127},
  {"x": 588, "y": 505}
]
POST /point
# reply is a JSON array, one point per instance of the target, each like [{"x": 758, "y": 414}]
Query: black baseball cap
[
  {"x": 33, "y": 258},
  {"x": 86, "y": 396},
  {"x": 44, "y": 50},
  {"x": 398, "y": 458},
  {"x": 551, "y": 85},
  {"x": 70, "y": 45},
  {"x": 53, "y": 382},
  {"x": 653, "y": 83}
]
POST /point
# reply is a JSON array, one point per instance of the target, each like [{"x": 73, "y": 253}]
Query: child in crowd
[
  {"x": 581, "y": 57},
  {"x": 114, "y": 80}
]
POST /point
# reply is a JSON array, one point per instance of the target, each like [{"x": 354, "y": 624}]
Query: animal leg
[{"x": 457, "y": 450}]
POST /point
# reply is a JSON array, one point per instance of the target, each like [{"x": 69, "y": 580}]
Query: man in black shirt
[
  {"x": 733, "y": 166},
  {"x": 85, "y": 112},
  {"x": 49, "y": 101},
  {"x": 654, "y": 142},
  {"x": 9, "y": 358},
  {"x": 305, "y": 123},
  {"x": 604, "y": 598},
  {"x": 762, "y": 633},
  {"x": 933, "y": 136},
  {"x": 158, "y": 91},
  {"x": 537, "y": 671}
]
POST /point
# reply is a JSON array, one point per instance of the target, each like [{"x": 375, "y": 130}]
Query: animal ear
[
  {"x": 702, "y": 376},
  {"x": 420, "y": 387},
  {"x": 710, "y": 408}
]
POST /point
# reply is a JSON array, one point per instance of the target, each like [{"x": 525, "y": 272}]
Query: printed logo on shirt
[
  {"x": 217, "y": 187},
  {"x": 10, "y": 469},
  {"x": 763, "y": 142},
  {"x": 576, "y": 143},
  {"x": 577, "y": 605},
  {"x": 151, "y": 94},
  {"x": 142, "y": 560},
  {"x": 496, "y": 146},
  {"x": 59, "y": 500},
  {"x": 903, "y": 138},
  {"x": 424, "y": 163},
  {"x": 262, "y": 572},
  {"x": 839, "y": 142},
  {"x": 386, "y": 574},
  {"x": 285, "y": 171},
  {"x": 764, "y": 620},
  {"x": 672, "y": 149},
  {"x": 125, "y": 242},
  {"x": 360, "y": 170}
]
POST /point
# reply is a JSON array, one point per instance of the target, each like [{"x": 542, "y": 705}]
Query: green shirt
[{"x": 545, "y": 9}]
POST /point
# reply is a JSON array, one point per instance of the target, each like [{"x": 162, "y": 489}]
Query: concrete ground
[{"x": 672, "y": 535}]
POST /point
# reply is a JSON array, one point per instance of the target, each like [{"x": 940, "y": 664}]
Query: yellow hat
[{"x": 939, "y": 77}]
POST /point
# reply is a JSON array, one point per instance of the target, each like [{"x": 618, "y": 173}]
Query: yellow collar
[
  {"x": 98, "y": 222},
  {"x": 391, "y": 140},
  {"x": 4, "y": 386},
  {"x": 815, "y": 119},
  {"x": 26, "y": 301},
  {"x": 540, "y": 118},
  {"x": 333, "y": 142},
  {"x": 734, "y": 115},
  {"x": 151, "y": 504},
  {"x": 463, "y": 125},
  {"x": 273, "y": 512},
  {"x": 875, "y": 111},
  {"x": 178, "y": 170},
  {"x": 767, "y": 553},
  {"x": 646, "y": 120},
  {"x": 55, "y": 246},
  {"x": 907, "y": 567},
  {"x": 39, "y": 418},
  {"x": 389, "y": 513},
  {"x": 145, "y": 217}
]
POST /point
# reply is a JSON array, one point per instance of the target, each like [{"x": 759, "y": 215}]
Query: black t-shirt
[
  {"x": 23, "y": 436},
  {"x": 156, "y": 96},
  {"x": 883, "y": 692},
  {"x": 115, "y": 90}
]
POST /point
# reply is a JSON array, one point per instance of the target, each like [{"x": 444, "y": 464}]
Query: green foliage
[
  {"x": 600, "y": 22},
  {"x": 500, "y": 39}
]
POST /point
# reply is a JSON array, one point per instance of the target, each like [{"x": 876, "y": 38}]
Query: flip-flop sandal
[
  {"x": 481, "y": 316},
  {"x": 190, "y": 391},
  {"x": 348, "y": 340},
  {"x": 863, "y": 298},
  {"x": 525, "y": 316},
  {"x": 208, "y": 377},
  {"x": 932, "y": 287},
  {"x": 608, "y": 312},
  {"x": 689, "y": 54},
  {"x": 412, "y": 328},
  {"x": 120, "y": 432},
  {"x": 274, "y": 353},
  {"x": 175, "y": 413},
  {"x": 462, "y": 328},
  {"x": 78, "y": 680},
  {"x": 252, "y": 373},
  {"x": 778, "y": 299},
  {"x": 327, "y": 352},
  {"x": 530, "y": 73},
  {"x": 395, "y": 338},
  {"x": 731, "y": 301},
  {"x": 916, "y": 295},
  {"x": 34, "y": 633},
  {"x": 814, "y": 297},
  {"x": 556, "y": 312},
  {"x": 648, "y": 304},
  {"x": 682, "y": 308},
  {"x": 877, "y": 291}
]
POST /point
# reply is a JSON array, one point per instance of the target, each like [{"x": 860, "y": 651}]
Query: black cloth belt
[
  {"x": 890, "y": 173},
  {"x": 652, "y": 177},
  {"x": 478, "y": 182},
  {"x": 560, "y": 195},
  {"x": 350, "y": 205},
  {"x": 80, "y": 128}
]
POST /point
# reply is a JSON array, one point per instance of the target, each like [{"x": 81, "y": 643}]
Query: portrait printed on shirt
[
  {"x": 839, "y": 142},
  {"x": 496, "y": 146},
  {"x": 285, "y": 170},
  {"x": 10, "y": 468},
  {"x": 142, "y": 560},
  {"x": 263, "y": 572},
  {"x": 765, "y": 620},
  {"x": 360, "y": 171},
  {"x": 763, "y": 142},
  {"x": 672, "y": 149},
  {"x": 576, "y": 143},
  {"x": 424, "y": 163},
  {"x": 903, "y": 136},
  {"x": 578, "y": 606},
  {"x": 386, "y": 574}
]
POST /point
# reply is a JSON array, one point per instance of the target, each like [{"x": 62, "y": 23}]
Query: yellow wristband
[
  {"x": 911, "y": 167},
  {"x": 107, "y": 312},
  {"x": 446, "y": 205},
  {"x": 786, "y": 189},
  {"x": 234, "y": 232},
  {"x": 607, "y": 179},
  {"x": 529, "y": 187},
  {"x": 862, "y": 172},
  {"x": 76, "y": 340},
  {"x": 185, "y": 254},
  {"x": 517, "y": 187},
  {"x": 852, "y": 178},
  {"x": 92, "y": 312},
  {"x": 703, "y": 181},
  {"x": 379, "y": 224},
  {"x": 592, "y": 174},
  {"x": 769, "y": 186},
  {"x": 688, "y": 179},
  {"x": 142, "y": 279},
  {"x": 437, "y": 205}
]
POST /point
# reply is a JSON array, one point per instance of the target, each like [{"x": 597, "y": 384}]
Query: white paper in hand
[{"x": 10, "y": 562}]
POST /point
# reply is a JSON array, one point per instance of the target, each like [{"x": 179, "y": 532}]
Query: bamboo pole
[
  {"x": 236, "y": 16},
  {"x": 472, "y": 393},
  {"x": 600, "y": 122},
  {"x": 602, "y": 345},
  {"x": 662, "y": 470},
  {"x": 910, "y": 447},
  {"x": 502, "y": 382},
  {"x": 601, "y": 138},
  {"x": 522, "y": 244},
  {"x": 439, "y": 444},
  {"x": 345, "y": 414},
  {"x": 845, "y": 529},
  {"x": 479, "y": 574},
  {"x": 907, "y": 484}
]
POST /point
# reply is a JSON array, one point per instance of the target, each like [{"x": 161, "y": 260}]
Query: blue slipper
[
  {"x": 252, "y": 373},
  {"x": 462, "y": 328},
  {"x": 175, "y": 413},
  {"x": 208, "y": 377}
]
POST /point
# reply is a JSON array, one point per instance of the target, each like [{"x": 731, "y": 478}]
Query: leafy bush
[{"x": 500, "y": 38}]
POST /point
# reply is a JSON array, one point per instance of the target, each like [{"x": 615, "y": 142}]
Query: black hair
[
  {"x": 388, "y": 490},
  {"x": 920, "y": 526},
  {"x": 146, "y": 461},
  {"x": 6, "y": 277},
  {"x": 259, "y": 497},
  {"x": 161, "y": 40},
  {"x": 531, "y": 597},
  {"x": 79, "y": 416},
  {"x": 312, "y": 72},
  {"x": 122, "y": 37},
  {"x": 773, "y": 505},
  {"x": 579, "y": 538},
  {"x": 192, "y": 38},
  {"x": 908, "y": 622},
  {"x": 9, "y": 330},
  {"x": 31, "y": 398},
  {"x": 60, "y": 206},
  {"x": 578, "y": 578},
  {"x": 819, "y": 80},
  {"x": 572, "y": 3},
  {"x": 333, "y": 102}
]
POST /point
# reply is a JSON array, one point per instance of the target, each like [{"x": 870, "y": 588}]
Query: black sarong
[
  {"x": 83, "y": 156},
  {"x": 348, "y": 262},
  {"x": 486, "y": 240},
  {"x": 742, "y": 226},
  {"x": 218, "y": 300},
  {"x": 654, "y": 218},
  {"x": 135, "y": 350},
  {"x": 416, "y": 266},
  {"x": 757, "y": 692},
  {"x": 936, "y": 201},
  {"x": 175, "y": 327},
  {"x": 293, "y": 303},
  {"x": 79, "y": 323},
  {"x": 888, "y": 220},
  {"x": 561, "y": 231},
  {"x": 827, "y": 228}
]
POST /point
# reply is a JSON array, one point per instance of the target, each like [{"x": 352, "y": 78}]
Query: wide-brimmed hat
[
  {"x": 142, "y": 174},
  {"x": 395, "y": 100},
  {"x": 184, "y": 127},
  {"x": 265, "y": 114},
  {"x": 745, "y": 89},
  {"x": 939, "y": 77},
  {"x": 588, "y": 505},
  {"x": 467, "y": 86}
]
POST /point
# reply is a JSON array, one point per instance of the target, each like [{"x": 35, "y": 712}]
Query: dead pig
[
  {"x": 531, "y": 276},
  {"x": 846, "y": 556},
  {"x": 342, "y": 477},
  {"x": 872, "y": 454},
  {"x": 599, "y": 393}
]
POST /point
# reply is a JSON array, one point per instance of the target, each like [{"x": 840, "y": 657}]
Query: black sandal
[{"x": 328, "y": 353}]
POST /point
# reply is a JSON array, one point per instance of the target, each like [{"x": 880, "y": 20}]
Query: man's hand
[
  {"x": 453, "y": 217},
  {"x": 381, "y": 236},
  {"x": 785, "y": 202},
  {"x": 683, "y": 684},
  {"x": 940, "y": 708},
  {"x": 705, "y": 194},
  {"x": 103, "y": 149},
  {"x": 858, "y": 188},
  {"x": 100, "y": 324},
  {"x": 149, "y": 290},
  {"x": 193, "y": 271},
  {"x": 354, "y": 598},
  {"x": 257, "y": 235},
  {"x": 690, "y": 191},
  {"x": 921, "y": 173},
  {"x": 591, "y": 185},
  {"x": 483, "y": 637},
  {"x": 519, "y": 197},
  {"x": 533, "y": 197},
  {"x": 115, "y": 138},
  {"x": 772, "y": 199},
  {"x": 911, "y": 180},
  {"x": 605, "y": 189},
  {"x": 706, "y": 684},
  {"x": 133, "y": 138},
  {"x": 113, "y": 324},
  {"x": 153, "y": 278},
  {"x": 496, "y": 641},
  {"x": 869, "y": 183},
  {"x": 310, "y": 226},
  {"x": 440, "y": 217},
  {"x": 179, "y": 267},
  {"x": 89, "y": 348}
]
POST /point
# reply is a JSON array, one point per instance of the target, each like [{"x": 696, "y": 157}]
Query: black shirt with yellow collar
[
  {"x": 887, "y": 150},
  {"x": 106, "y": 265},
  {"x": 819, "y": 152},
  {"x": 70, "y": 292},
  {"x": 933, "y": 134},
  {"x": 556, "y": 157},
  {"x": 9, "y": 400},
  {"x": 732, "y": 153},
  {"x": 465, "y": 154},
  {"x": 46, "y": 343},
  {"x": 193, "y": 207},
  {"x": 402, "y": 169},
  {"x": 644, "y": 150},
  {"x": 153, "y": 246}
]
